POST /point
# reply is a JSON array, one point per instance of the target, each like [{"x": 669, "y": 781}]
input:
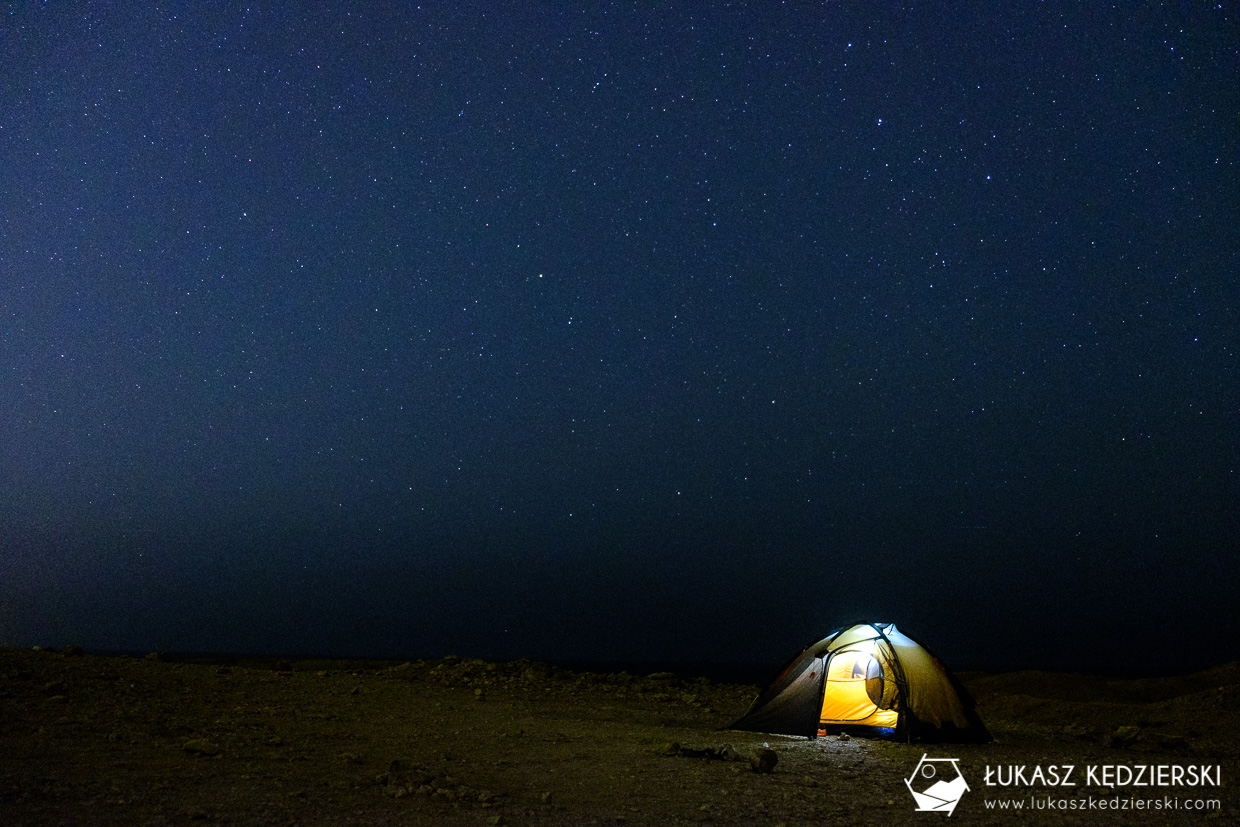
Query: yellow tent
[{"x": 868, "y": 679}]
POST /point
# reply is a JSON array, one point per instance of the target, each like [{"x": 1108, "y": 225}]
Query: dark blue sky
[{"x": 673, "y": 331}]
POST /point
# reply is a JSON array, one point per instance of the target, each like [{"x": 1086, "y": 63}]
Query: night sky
[{"x": 629, "y": 332}]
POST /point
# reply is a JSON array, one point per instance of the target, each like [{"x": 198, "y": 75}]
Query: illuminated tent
[{"x": 867, "y": 679}]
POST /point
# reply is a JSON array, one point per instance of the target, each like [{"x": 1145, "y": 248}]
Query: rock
[
  {"x": 545, "y": 797},
  {"x": 1076, "y": 731},
  {"x": 1125, "y": 736},
  {"x": 1176, "y": 742},
  {"x": 763, "y": 760},
  {"x": 72, "y": 651},
  {"x": 154, "y": 657},
  {"x": 200, "y": 746},
  {"x": 402, "y": 773},
  {"x": 727, "y": 752},
  {"x": 844, "y": 736}
]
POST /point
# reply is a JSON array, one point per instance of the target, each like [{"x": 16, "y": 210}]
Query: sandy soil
[{"x": 86, "y": 739}]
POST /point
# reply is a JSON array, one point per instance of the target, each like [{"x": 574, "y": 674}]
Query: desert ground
[{"x": 92, "y": 739}]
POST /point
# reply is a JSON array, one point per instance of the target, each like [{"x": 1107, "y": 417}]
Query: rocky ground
[{"x": 86, "y": 739}]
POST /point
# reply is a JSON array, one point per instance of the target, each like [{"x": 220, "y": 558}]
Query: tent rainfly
[{"x": 867, "y": 679}]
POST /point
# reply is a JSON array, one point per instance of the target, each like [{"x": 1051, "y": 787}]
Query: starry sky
[{"x": 625, "y": 331}]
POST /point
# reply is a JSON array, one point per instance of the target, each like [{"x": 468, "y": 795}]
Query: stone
[
  {"x": 1175, "y": 742},
  {"x": 200, "y": 746},
  {"x": 1076, "y": 731},
  {"x": 763, "y": 760},
  {"x": 406, "y": 775}
]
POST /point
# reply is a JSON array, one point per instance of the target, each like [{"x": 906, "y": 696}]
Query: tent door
[{"x": 846, "y": 700}]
